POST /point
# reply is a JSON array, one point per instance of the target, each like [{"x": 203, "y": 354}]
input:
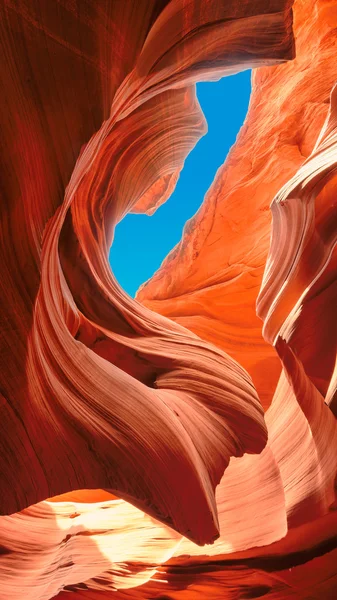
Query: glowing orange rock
[
  {"x": 116, "y": 396},
  {"x": 210, "y": 281},
  {"x": 100, "y": 392}
]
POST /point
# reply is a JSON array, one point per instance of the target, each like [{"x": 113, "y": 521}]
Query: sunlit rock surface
[
  {"x": 190, "y": 457},
  {"x": 210, "y": 282}
]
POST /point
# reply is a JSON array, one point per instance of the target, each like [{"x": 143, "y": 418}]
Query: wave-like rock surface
[{"x": 98, "y": 390}]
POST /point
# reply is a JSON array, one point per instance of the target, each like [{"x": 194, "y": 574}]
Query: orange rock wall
[
  {"x": 168, "y": 478},
  {"x": 210, "y": 281}
]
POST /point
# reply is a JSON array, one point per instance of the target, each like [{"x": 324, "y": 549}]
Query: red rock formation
[
  {"x": 100, "y": 392},
  {"x": 210, "y": 286},
  {"x": 99, "y": 367}
]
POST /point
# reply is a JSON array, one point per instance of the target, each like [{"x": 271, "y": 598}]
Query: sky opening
[{"x": 141, "y": 242}]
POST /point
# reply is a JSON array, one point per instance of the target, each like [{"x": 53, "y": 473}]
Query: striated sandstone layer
[
  {"x": 93, "y": 368},
  {"x": 210, "y": 281},
  {"x": 101, "y": 391}
]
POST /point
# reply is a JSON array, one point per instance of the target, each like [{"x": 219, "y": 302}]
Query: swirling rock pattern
[{"x": 216, "y": 485}]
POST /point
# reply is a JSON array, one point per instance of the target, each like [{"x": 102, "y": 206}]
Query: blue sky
[{"x": 141, "y": 243}]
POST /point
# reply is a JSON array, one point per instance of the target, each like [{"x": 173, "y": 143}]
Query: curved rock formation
[
  {"x": 99, "y": 367},
  {"x": 210, "y": 286},
  {"x": 98, "y": 391}
]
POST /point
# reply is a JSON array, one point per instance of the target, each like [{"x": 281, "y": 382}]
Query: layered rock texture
[{"x": 182, "y": 445}]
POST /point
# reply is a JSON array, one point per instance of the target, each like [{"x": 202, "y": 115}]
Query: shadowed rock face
[{"x": 213, "y": 434}]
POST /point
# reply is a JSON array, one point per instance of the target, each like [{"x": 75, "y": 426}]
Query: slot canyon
[{"x": 182, "y": 444}]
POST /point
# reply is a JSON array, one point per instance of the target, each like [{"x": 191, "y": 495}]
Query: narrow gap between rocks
[{"x": 142, "y": 242}]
